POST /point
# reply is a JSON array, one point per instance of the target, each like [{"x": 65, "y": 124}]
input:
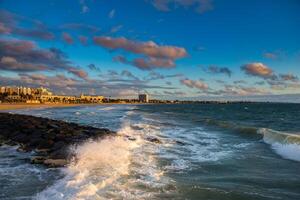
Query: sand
[{"x": 8, "y": 106}]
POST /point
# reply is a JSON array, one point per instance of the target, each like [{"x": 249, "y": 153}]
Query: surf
[
  {"x": 285, "y": 144},
  {"x": 111, "y": 168}
]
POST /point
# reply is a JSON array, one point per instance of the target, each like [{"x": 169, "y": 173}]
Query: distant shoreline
[{"x": 15, "y": 106}]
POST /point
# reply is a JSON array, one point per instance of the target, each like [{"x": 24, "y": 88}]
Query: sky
[{"x": 170, "y": 49}]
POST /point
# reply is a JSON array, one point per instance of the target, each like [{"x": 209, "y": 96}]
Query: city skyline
[{"x": 174, "y": 49}]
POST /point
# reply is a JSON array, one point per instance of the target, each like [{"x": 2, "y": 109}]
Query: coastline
[{"x": 15, "y": 106}]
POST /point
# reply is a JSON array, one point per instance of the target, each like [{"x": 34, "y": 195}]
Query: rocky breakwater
[{"x": 49, "y": 139}]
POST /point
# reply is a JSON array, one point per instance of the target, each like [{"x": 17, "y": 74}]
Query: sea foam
[
  {"x": 286, "y": 145},
  {"x": 111, "y": 168}
]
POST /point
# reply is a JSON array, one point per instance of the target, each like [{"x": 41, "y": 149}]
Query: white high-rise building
[{"x": 144, "y": 98}]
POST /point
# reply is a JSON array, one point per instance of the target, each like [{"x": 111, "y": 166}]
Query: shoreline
[{"x": 17, "y": 106}]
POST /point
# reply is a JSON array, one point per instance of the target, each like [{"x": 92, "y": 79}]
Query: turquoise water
[{"x": 222, "y": 151}]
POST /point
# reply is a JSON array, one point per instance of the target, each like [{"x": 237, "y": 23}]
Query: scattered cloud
[
  {"x": 25, "y": 56},
  {"x": 238, "y": 90},
  {"x": 67, "y": 38},
  {"x": 199, "y": 48},
  {"x": 11, "y": 64},
  {"x": 276, "y": 82},
  {"x": 213, "y": 69},
  {"x": 4, "y": 29},
  {"x": 150, "y": 48},
  {"x": 157, "y": 76},
  {"x": 83, "y": 40},
  {"x": 289, "y": 77},
  {"x": 94, "y": 68},
  {"x": 112, "y": 13},
  {"x": 79, "y": 73},
  {"x": 155, "y": 56},
  {"x": 151, "y": 63},
  {"x": 11, "y": 24},
  {"x": 258, "y": 69},
  {"x": 269, "y": 55},
  {"x": 240, "y": 82},
  {"x": 128, "y": 74},
  {"x": 174, "y": 94},
  {"x": 84, "y": 7},
  {"x": 116, "y": 28},
  {"x": 201, "y": 6},
  {"x": 80, "y": 27},
  {"x": 194, "y": 84},
  {"x": 260, "y": 83}
]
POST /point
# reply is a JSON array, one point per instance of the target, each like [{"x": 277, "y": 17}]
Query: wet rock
[
  {"x": 55, "y": 162},
  {"x": 48, "y": 138},
  {"x": 23, "y": 148},
  {"x": 37, "y": 160},
  {"x": 154, "y": 140},
  {"x": 180, "y": 143},
  {"x": 130, "y": 137}
]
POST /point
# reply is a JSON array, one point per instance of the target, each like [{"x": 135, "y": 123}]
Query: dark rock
[
  {"x": 56, "y": 162},
  {"x": 180, "y": 143},
  {"x": 38, "y": 160},
  {"x": 48, "y": 138},
  {"x": 154, "y": 140}
]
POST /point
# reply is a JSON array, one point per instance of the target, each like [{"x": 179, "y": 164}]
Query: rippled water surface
[{"x": 236, "y": 151}]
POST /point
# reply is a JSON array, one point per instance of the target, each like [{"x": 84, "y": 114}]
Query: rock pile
[{"x": 50, "y": 139}]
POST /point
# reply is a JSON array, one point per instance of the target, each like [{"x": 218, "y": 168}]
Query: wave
[
  {"x": 111, "y": 168},
  {"x": 107, "y": 108},
  {"x": 231, "y": 126},
  {"x": 285, "y": 144}
]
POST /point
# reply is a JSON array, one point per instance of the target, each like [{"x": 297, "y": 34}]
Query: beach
[{"x": 9, "y": 106}]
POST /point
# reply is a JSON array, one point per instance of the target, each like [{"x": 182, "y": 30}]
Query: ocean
[{"x": 207, "y": 152}]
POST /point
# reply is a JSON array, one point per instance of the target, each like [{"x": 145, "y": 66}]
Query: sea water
[{"x": 213, "y": 151}]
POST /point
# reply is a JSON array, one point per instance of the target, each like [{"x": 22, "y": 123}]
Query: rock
[
  {"x": 22, "y": 138},
  {"x": 24, "y": 148},
  {"x": 48, "y": 138},
  {"x": 56, "y": 162},
  {"x": 38, "y": 160},
  {"x": 130, "y": 138},
  {"x": 45, "y": 144},
  {"x": 153, "y": 139},
  {"x": 180, "y": 143},
  {"x": 58, "y": 145}
]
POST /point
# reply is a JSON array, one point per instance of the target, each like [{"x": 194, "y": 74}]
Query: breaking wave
[
  {"x": 117, "y": 167},
  {"x": 286, "y": 145}
]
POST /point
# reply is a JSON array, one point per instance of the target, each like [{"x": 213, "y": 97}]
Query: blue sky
[{"x": 171, "y": 49}]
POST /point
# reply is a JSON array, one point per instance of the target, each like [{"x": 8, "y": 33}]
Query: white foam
[
  {"x": 107, "y": 108},
  {"x": 288, "y": 151},
  {"x": 285, "y": 144},
  {"x": 111, "y": 168}
]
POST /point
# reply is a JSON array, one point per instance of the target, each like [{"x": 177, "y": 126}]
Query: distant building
[
  {"x": 57, "y": 98},
  {"x": 2, "y": 90},
  {"x": 91, "y": 99},
  {"x": 13, "y": 97},
  {"x": 143, "y": 98}
]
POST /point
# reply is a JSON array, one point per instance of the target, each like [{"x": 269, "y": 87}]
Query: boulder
[
  {"x": 38, "y": 160},
  {"x": 154, "y": 140},
  {"x": 56, "y": 162}
]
